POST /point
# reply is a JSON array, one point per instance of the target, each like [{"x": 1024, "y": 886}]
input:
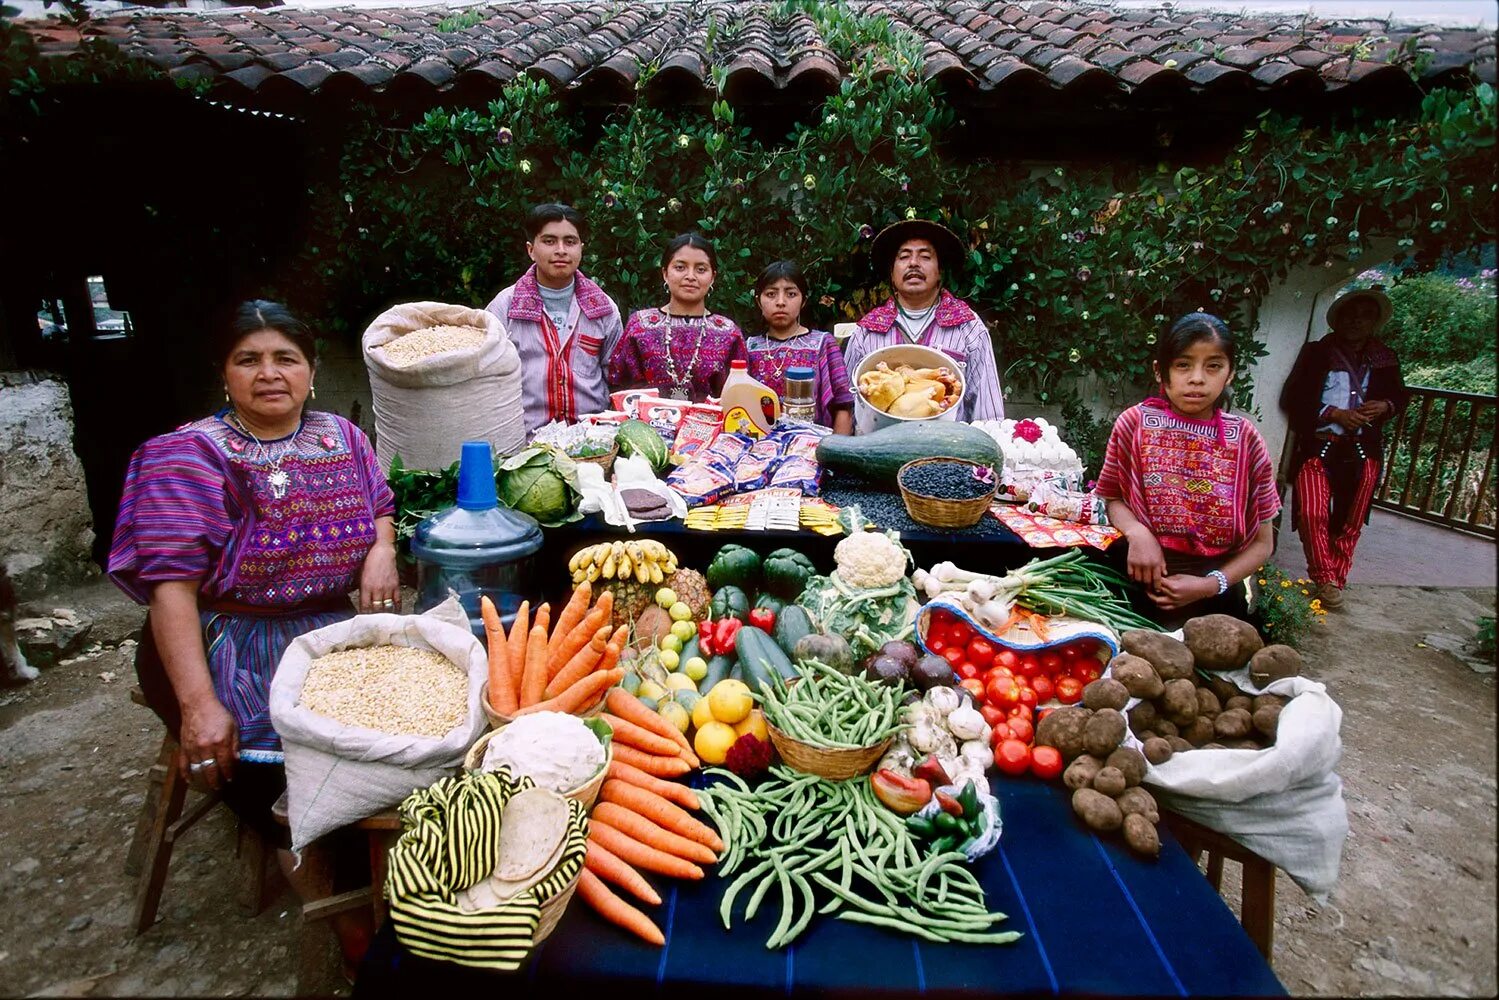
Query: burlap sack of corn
[
  {"x": 428, "y": 404},
  {"x": 339, "y": 773}
]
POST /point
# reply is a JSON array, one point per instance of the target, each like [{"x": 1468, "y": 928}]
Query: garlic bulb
[
  {"x": 966, "y": 723},
  {"x": 977, "y": 750},
  {"x": 943, "y": 700}
]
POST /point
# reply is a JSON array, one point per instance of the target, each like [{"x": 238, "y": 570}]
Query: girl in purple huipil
[
  {"x": 682, "y": 349},
  {"x": 781, "y": 293}
]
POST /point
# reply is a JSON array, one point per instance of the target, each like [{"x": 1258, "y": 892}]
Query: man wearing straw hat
[
  {"x": 1342, "y": 390},
  {"x": 914, "y": 256}
]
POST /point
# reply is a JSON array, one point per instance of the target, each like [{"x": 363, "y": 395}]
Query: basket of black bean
[{"x": 946, "y": 492}]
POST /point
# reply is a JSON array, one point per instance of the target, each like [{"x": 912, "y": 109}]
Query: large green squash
[{"x": 877, "y": 457}]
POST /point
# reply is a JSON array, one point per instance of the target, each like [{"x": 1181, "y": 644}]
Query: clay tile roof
[{"x": 991, "y": 46}]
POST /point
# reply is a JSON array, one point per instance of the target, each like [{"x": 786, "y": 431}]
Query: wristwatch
[{"x": 1222, "y": 579}]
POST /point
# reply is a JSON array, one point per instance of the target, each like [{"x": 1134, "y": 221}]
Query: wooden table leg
[
  {"x": 380, "y": 842},
  {"x": 316, "y": 937},
  {"x": 155, "y": 775},
  {"x": 1257, "y": 909},
  {"x": 158, "y": 849}
]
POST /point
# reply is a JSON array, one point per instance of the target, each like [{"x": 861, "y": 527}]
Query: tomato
[
  {"x": 1002, "y": 692},
  {"x": 967, "y": 671},
  {"x": 1069, "y": 690},
  {"x": 1046, "y": 762},
  {"x": 1007, "y": 658},
  {"x": 992, "y": 714},
  {"x": 1042, "y": 713},
  {"x": 942, "y": 618},
  {"x": 936, "y": 643},
  {"x": 1012, "y": 757},
  {"x": 1020, "y": 712},
  {"x": 1087, "y": 674},
  {"x": 1000, "y": 733},
  {"x": 1028, "y": 697},
  {"x": 1030, "y": 666},
  {"x": 1071, "y": 651},
  {"x": 954, "y": 655},
  {"x": 1022, "y": 729},
  {"x": 1044, "y": 689},
  {"x": 975, "y": 687},
  {"x": 981, "y": 651},
  {"x": 999, "y": 672},
  {"x": 1051, "y": 662}
]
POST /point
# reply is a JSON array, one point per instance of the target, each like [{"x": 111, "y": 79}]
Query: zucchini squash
[
  {"x": 758, "y": 653},
  {"x": 876, "y": 458}
]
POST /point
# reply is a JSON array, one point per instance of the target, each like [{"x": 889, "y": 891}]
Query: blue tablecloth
[{"x": 1096, "y": 919}]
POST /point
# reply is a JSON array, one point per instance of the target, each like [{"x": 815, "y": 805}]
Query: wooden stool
[
  {"x": 382, "y": 830},
  {"x": 1257, "y": 883},
  {"x": 163, "y": 820}
]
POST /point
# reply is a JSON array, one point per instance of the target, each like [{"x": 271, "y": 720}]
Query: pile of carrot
[
  {"x": 566, "y": 668},
  {"x": 642, "y": 819}
]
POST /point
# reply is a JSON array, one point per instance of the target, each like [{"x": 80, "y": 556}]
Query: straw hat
[
  {"x": 1375, "y": 295},
  {"x": 949, "y": 248}
]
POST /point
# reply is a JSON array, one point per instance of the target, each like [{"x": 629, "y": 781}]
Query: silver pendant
[{"x": 279, "y": 481}]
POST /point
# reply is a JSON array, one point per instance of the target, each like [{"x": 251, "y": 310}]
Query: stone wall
[{"x": 46, "y": 529}]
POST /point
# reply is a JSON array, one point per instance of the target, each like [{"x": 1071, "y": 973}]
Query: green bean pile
[
  {"x": 832, "y": 710},
  {"x": 798, "y": 832}
]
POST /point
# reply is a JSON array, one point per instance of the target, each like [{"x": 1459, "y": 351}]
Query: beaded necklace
[
  {"x": 779, "y": 370},
  {"x": 680, "y": 385}
]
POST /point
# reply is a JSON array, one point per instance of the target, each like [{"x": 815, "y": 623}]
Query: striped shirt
[{"x": 956, "y": 331}]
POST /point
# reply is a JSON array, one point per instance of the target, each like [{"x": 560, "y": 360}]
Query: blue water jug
[{"x": 477, "y": 548}]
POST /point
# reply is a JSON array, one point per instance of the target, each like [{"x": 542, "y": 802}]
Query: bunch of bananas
[{"x": 645, "y": 560}]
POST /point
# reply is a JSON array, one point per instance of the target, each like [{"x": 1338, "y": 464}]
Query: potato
[
  {"x": 1199, "y": 732},
  {"x": 1080, "y": 772},
  {"x": 1212, "y": 746},
  {"x": 1137, "y": 675},
  {"x": 1178, "y": 744},
  {"x": 1063, "y": 729},
  {"x": 1207, "y": 702},
  {"x": 1274, "y": 662},
  {"x": 1266, "y": 719},
  {"x": 1221, "y": 642},
  {"x": 1166, "y": 728},
  {"x": 1223, "y": 688},
  {"x": 1244, "y": 745},
  {"x": 1103, "y": 732},
  {"x": 1235, "y": 725},
  {"x": 1158, "y": 750},
  {"x": 1142, "y": 717},
  {"x": 1141, "y": 836},
  {"x": 1239, "y": 701},
  {"x": 1261, "y": 700},
  {"x": 1101, "y": 813},
  {"x": 1170, "y": 657},
  {"x": 1137, "y": 801},
  {"x": 1110, "y": 781},
  {"x": 1180, "y": 700},
  {"x": 1106, "y": 693},
  {"x": 1130, "y": 762}
]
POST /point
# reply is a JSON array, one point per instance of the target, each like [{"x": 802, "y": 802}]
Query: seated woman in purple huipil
[
  {"x": 242, "y": 531},
  {"x": 681, "y": 349}
]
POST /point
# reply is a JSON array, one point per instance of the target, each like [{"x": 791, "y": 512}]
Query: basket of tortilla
[
  {"x": 484, "y": 869},
  {"x": 558, "y": 751}
]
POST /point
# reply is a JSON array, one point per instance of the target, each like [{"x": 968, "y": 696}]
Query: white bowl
[{"x": 868, "y": 419}]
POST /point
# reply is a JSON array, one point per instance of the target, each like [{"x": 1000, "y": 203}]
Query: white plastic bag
[
  {"x": 988, "y": 838},
  {"x": 425, "y": 411},
  {"x": 1284, "y": 803},
  {"x": 338, "y": 774}
]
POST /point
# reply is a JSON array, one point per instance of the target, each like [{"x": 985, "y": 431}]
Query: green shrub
[
  {"x": 1437, "y": 321},
  {"x": 1477, "y": 375}
]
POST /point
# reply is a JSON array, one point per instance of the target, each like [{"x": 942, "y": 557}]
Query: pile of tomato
[{"x": 1013, "y": 688}]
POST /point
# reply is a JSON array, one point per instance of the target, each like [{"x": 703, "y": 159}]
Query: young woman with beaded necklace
[
  {"x": 781, "y": 293},
  {"x": 681, "y": 348}
]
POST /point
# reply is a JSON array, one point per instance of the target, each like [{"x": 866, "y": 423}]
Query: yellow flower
[
  {"x": 1316, "y": 604},
  {"x": 1280, "y": 598},
  {"x": 1285, "y": 583},
  {"x": 1262, "y": 582},
  {"x": 1305, "y": 592}
]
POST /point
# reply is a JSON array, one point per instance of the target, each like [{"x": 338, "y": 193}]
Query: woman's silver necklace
[
  {"x": 278, "y": 479},
  {"x": 677, "y": 382}
]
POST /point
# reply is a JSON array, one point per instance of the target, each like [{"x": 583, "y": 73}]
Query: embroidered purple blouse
[
  {"x": 683, "y": 357},
  {"x": 769, "y": 359}
]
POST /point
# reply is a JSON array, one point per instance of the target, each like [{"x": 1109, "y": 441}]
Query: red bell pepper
[
  {"x": 705, "y": 638},
  {"x": 763, "y": 619},
  {"x": 899, "y": 794},
  {"x": 930, "y": 769},
  {"x": 950, "y": 805},
  {"x": 725, "y": 633}
]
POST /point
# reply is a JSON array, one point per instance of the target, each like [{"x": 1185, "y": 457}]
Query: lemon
[
  {"x": 676, "y": 715},
  {"x": 696, "y": 668},
  {"x": 730, "y": 700},
  {"x": 753, "y": 724},
  {"x": 666, "y": 597},
  {"x": 649, "y": 689},
  {"x": 683, "y": 630},
  {"x": 670, "y": 657},
  {"x": 701, "y": 713},
  {"x": 680, "y": 682},
  {"x": 671, "y": 643},
  {"x": 680, "y": 612},
  {"x": 712, "y": 742}
]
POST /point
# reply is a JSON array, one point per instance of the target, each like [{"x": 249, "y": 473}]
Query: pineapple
[
  {"x": 692, "y": 589},
  {"x": 631, "y": 597}
]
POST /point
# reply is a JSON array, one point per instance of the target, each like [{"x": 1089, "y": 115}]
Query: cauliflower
[{"x": 870, "y": 559}]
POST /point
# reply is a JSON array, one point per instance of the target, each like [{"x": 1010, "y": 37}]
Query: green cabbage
[{"x": 531, "y": 483}]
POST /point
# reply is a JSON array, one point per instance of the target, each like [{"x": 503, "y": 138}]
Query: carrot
[
  {"x": 661, "y": 767},
  {"x": 544, "y": 619},
  {"x": 661, "y": 812},
  {"x": 572, "y": 613},
  {"x": 581, "y": 665},
  {"x": 617, "y": 643},
  {"x": 608, "y": 866},
  {"x": 560, "y": 654},
  {"x": 520, "y": 631},
  {"x": 616, "y": 910},
  {"x": 680, "y": 794},
  {"x": 633, "y": 852},
  {"x": 647, "y": 832},
  {"x": 630, "y": 708},
  {"x": 640, "y": 738},
  {"x": 580, "y": 696},
  {"x": 501, "y": 689},
  {"x": 533, "y": 682}
]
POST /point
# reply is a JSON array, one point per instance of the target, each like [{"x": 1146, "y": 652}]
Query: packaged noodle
[{"x": 701, "y": 424}]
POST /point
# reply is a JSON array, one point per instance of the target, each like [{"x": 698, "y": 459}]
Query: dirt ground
[{"x": 1414, "y": 911}]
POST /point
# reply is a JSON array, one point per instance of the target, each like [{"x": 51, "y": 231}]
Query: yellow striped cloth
[{"x": 451, "y": 841}]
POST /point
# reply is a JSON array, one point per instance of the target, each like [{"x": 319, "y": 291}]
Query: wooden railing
[{"x": 1439, "y": 460}]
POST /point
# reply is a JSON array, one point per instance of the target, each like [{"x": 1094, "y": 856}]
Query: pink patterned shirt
[{"x": 685, "y": 357}]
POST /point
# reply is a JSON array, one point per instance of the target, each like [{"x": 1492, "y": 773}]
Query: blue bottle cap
[
  {"x": 476, "y": 477},
  {"x": 801, "y": 373}
]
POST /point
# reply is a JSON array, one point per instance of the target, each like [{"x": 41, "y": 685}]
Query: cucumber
[
  {"x": 690, "y": 649},
  {"x": 752, "y": 670},
  {"x": 876, "y": 458},
  {"x": 791, "y": 624},
  {"x": 759, "y": 652},
  {"x": 719, "y": 667}
]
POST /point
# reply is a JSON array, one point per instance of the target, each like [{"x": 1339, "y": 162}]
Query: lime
[
  {"x": 670, "y": 643},
  {"x": 679, "y": 682},
  {"x": 669, "y": 657},
  {"x": 649, "y": 690},
  {"x": 696, "y": 668},
  {"x": 680, "y": 612},
  {"x": 666, "y": 597},
  {"x": 683, "y": 630}
]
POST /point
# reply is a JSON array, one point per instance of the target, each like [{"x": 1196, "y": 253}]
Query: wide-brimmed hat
[
  {"x": 1375, "y": 295},
  {"x": 949, "y": 248}
]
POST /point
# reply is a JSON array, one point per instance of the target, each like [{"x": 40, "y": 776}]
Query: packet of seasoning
[
  {"x": 625, "y": 399},
  {"x": 708, "y": 476},
  {"x": 700, "y": 426}
]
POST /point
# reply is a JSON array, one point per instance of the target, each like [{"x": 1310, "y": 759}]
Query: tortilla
[{"x": 532, "y": 831}]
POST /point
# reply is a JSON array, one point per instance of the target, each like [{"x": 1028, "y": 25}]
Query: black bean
[{"x": 946, "y": 480}]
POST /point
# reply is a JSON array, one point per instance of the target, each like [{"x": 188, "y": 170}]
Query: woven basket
[
  {"x": 552, "y": 909},
  {"x": 605, "y": 462},
  {"x": 497, "y": 721},
  {"x": 835, "y": 765},
  {"x": 937, "y": 512},
  {"x": 586, "y": 793}
]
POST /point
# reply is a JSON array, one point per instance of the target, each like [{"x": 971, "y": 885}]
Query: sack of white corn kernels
[
  {"x": 434, "y": 389},
  {"x": 338, "y": 693}
]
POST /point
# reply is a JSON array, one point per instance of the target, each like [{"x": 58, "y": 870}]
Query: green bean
[
  {"x": 726, "y": 908},
  {"x": 788, "y": 906},
  {"x": 945, "y": 937},
  {"x": 759, "y": 893},
  {"x": 789, "y": 935}
]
